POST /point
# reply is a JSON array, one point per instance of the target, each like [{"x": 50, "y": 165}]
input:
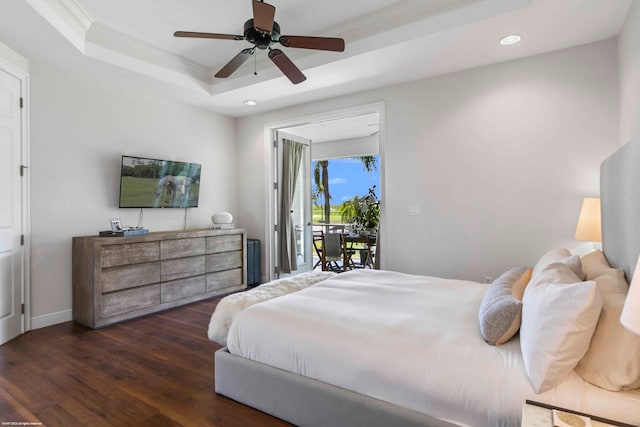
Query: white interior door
[
  {"x": 301, "y": 208},
  {"x": 11, "y": 250}
]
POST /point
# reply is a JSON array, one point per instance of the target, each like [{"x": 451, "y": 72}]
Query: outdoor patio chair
[
  {"x": 332, "y": 251},
  {"x": 317, "y": 246}
]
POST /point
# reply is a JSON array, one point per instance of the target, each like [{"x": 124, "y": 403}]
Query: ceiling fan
[{"x": 263, "y": 31}]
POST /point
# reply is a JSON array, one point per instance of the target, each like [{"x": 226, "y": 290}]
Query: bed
[{"x": 379, "y": 348}]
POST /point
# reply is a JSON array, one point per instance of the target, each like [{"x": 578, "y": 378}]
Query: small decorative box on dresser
[{"x": 118, "y": 278}]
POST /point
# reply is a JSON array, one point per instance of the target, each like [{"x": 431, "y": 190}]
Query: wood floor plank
[
  {"x": 104, "y": 400},
  {"x": 158, "y": 420},
  {"x": 152, "y": 371},
  {"x": 11, "y": 409},
  {"x": 82, "y": 415}
]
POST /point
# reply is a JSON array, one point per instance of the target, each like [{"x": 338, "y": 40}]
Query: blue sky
[{"x": 347, "y": 178}]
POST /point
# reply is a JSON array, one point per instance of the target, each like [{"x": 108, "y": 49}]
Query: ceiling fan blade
[
  {"x": 320, "y": 43},
  {"x": 192, "y": 34},
  {"x": 287, "y": 67},
  {"x": 235, "y": 63},
  {"x": 263, "y": 16}
]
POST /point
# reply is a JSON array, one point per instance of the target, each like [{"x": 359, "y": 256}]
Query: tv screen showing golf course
[{"x": 153, "y": 183}]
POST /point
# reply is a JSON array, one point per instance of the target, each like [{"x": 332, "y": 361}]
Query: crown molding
[
  {"x": 78, "y": 17},
  {"x": 66, "y": 16},
  {"x": 119, "y": 49},
  {"x": 99, "y": 42},
  {"x": 10, "y": 59},
  {"x": 420, "y": 18}
]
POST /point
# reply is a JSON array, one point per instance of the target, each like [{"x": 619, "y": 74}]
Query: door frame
[
  {"x": 25, "y": 185},
  {"x": 269, "y": 138}
]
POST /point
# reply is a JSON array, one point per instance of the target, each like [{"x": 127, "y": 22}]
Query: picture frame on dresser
[
  {"x": 120, "y": 278},
  {"x": 116, "y": 225}
]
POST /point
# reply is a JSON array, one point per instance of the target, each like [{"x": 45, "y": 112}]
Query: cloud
[{"x": 338, "y": 180}]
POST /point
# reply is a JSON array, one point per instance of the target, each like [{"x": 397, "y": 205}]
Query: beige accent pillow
[
  {"x": 519, "y": 286},
  {"x": 594, "y": 264},
  {"x": 612, "y": 361},
  {"x": 500, "y": 311}
]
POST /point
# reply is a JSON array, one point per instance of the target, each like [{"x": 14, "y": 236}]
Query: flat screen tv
[{"x": 153, "y": 183}]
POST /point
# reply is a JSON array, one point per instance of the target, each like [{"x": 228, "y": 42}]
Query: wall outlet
[
  {"x": 414, "y": 210},
  {"x": 488, "y": 279}
]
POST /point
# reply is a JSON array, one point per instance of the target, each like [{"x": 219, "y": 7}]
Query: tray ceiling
[{"x": 387, "y": 41}]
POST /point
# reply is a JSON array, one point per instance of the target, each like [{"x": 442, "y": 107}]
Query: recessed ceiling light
[
  {"x": 250, "y": 103},
  {"x": 510, "y": 40}
]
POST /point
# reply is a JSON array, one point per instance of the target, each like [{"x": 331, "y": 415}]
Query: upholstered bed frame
[
  {"x": 620, "y": 197},
  {"x": 307, "y": 402}
]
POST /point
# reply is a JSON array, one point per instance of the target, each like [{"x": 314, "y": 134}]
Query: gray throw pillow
[{"x": 501, "y": 309}]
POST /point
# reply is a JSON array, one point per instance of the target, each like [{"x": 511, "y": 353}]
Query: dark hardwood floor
[{"x": 152, "y": 371}]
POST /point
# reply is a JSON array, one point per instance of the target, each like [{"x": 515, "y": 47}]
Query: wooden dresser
[{"x": 118, "y": 278}]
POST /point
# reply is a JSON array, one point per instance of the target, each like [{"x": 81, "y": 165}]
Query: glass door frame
[
  {"x": 303, "y": 204},
  {"x": 269, "y": 135}
]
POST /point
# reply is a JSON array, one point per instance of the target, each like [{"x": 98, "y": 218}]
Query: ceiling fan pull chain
[{"x": 255, "y": 64}]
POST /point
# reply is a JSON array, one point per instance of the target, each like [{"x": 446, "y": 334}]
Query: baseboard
[{"x": 51, "y": 319}]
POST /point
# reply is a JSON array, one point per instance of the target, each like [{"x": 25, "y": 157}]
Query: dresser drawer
[
  {"x": 130, "y": 276},
  {"x": 224, "y": 261},
  {"x": 178, "y": 289},
  {"x": 224, "y": 279},
  {"x": 182, "y": 267},
  {"x": 179, "y": 248},
  {"x": 130, "y": 300},
  {"x": 130, "y": 253},
  {"x": 217, "y": 244}
]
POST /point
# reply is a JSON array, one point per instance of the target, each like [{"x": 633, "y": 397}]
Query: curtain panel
[{"x": 292, "y": 157}]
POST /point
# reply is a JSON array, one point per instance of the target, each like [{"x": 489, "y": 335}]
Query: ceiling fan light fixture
[
  {"x": 251, "y": 103},
  {"x": 263, "y": 32},
  {"x": 510, "y": 39}
]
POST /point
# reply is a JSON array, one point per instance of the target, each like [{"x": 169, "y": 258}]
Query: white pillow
[
  {"x": 558, "y": 320},
  {"x": 566, "y": 270},
  {"x": 551, "y": 256},
  {"x": 613, "y": 359}
]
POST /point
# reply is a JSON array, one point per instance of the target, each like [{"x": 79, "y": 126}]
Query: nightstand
[{"x": 535, "y": 414}]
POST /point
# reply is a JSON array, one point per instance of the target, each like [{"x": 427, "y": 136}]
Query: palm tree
[{"x": 321, "y": 180}]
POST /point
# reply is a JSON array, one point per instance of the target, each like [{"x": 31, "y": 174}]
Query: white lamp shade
[
  {"x": 630, "y": 317},
  {"x": 589, "y": 227}
]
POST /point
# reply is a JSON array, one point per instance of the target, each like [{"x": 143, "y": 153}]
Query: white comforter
[
  {"x": 409, "y": 340},
  {"x": 232, "y": 305}
]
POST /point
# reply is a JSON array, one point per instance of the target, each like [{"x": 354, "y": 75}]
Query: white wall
[
  {"x": 497, "y": 159},
  {"x": 629, "y": 54},
  {"x": 80, "y": 127}
]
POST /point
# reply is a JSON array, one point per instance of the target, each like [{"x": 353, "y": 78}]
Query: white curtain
[{"x": 292, "y": 157}]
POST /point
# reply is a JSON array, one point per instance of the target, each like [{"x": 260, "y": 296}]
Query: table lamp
[
  {"x": 630, "y": 317},
  {"x": 589, "y": 227}
]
